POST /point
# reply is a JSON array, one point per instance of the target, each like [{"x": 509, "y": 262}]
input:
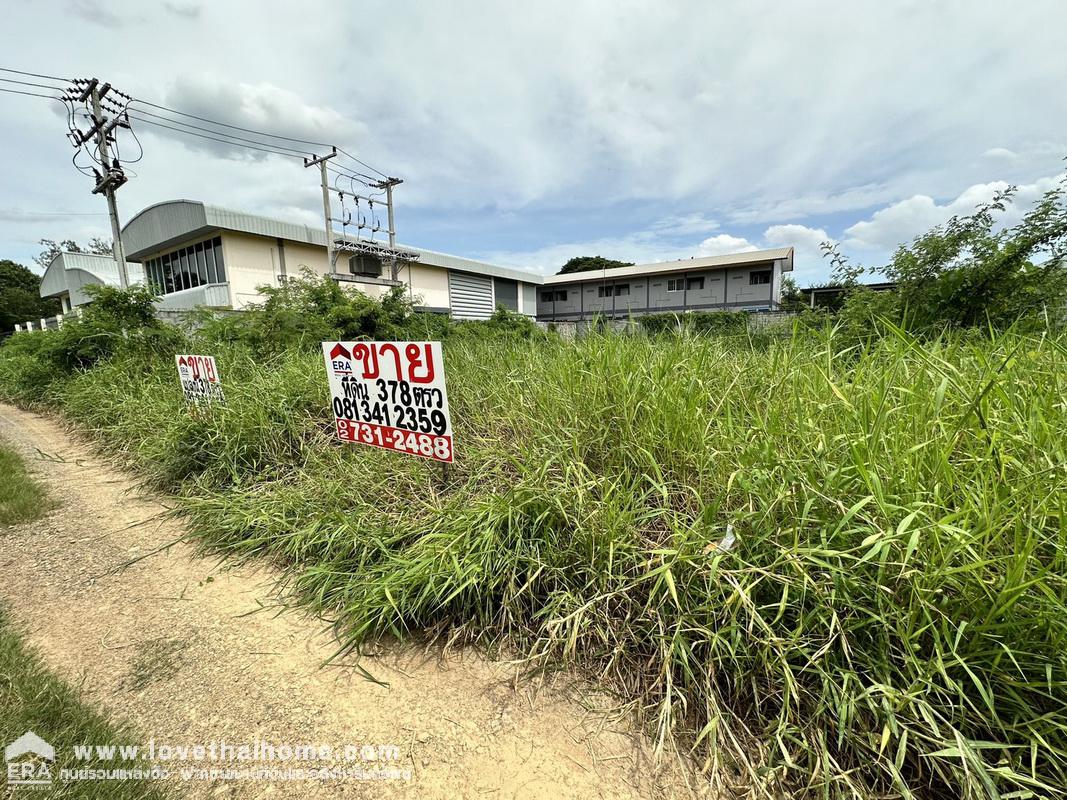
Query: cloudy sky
[{"x": 528, "y": 133}]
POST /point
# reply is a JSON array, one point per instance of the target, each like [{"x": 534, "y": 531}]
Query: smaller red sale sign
[
  {"x": 199, "y": 378},
  {"x": 390, "y": 395}
]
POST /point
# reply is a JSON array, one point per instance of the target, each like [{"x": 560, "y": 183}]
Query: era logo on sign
[
  {"x": 340, "y": 360},
  {"x": 27, "y": 761}
]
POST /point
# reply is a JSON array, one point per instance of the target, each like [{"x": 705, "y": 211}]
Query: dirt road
[{"x": 172, "y": 645}]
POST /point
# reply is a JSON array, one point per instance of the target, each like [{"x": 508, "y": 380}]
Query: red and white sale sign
[
  {"x": 199, "y": 378},
  {"x": 391, "y": 395}
]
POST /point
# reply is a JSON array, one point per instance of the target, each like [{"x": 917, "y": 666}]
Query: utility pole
[
  {"x": 112, "y": 176},
  {"x": 321, "y": 161},
  {"x": 387, "y": 186}
]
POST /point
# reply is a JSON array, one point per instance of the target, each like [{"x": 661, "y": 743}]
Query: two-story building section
[{"x": 738, "y": 282}]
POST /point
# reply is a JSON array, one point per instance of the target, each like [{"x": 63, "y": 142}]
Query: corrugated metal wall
[{"x": 470, "y": 296}]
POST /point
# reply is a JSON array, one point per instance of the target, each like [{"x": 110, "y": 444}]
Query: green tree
[
  {"x": 20, "y": 298},
  {"x": 585, "y": 263},
  {"x": 972, "y": 271},
  {"x": 791, "y": 297}
]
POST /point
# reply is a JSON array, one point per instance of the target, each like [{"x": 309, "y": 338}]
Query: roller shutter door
[{"x": 470, "y": 296}]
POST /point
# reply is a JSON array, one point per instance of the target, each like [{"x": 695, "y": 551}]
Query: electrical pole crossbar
[
  {"x": 110, "y": 176},
  {"x": 386, "y": 253}
]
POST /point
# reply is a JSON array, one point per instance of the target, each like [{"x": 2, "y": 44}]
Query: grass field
[
  {"x": 828, "y": 570},
  {"x": 21, "y": 498}
]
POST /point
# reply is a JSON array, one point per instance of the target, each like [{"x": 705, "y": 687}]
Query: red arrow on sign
[{"x": 338, "y": 349}]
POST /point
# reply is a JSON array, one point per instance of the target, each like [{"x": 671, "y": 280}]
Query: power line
[
  {"x": 31, "y": 83},
  {"x": 31, "y": 94},
  {"x": 238, "y": 141},
  {"x": 301, "y": 153},
  {"x": 132, "y": 100},
  {"x": 368, "y": 166},
  {"x": 227, "y": 125},
  {"x": 252, "y": 130},
  {"x": 212, "y": 138},
  {"x": 111, "y": 109},
  {"x": 56, "y": 213},
  {"x": 35, "y": 75}
]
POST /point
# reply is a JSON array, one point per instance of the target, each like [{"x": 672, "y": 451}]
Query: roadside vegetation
[
  {"x": 32, "y": 698},
  {"x": 831, "y": 562},
  {"x": 21, "y": 498}
]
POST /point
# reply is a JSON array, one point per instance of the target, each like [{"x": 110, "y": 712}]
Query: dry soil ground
[{"x": 181, "y": 647}]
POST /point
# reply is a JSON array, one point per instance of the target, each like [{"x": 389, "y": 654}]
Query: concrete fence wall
[{"x": 758, "y": 322}]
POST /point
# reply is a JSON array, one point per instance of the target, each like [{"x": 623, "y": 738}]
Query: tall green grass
[
  {"x": 890, "y": 619},
  {"x": 22, "y": 499}
]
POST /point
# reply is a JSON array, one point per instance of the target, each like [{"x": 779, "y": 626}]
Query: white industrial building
[
  {"x": 67, "y": 275},
  {"x": 738, "y": 282},
  {"x": 195, "y": 254}
]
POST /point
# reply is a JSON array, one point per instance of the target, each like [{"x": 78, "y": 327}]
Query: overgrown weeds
[{"x": 831, "y": 568}]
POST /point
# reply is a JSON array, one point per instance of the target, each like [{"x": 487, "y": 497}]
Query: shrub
[
  {"x": 971, "y": 273},
  {"x": 502, "y": 324}
]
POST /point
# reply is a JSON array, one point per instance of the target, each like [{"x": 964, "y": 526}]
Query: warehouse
[
  {"x": 68, "y": 274},
  {"x": 739, "y": 282},
  {"x": 196, "y": 254}
]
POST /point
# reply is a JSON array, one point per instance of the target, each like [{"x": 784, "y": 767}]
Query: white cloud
[
  {"x": 894, "y": 224},
  {"x": 686, "y": 224},
  {"x": 724, "y": 244},
  {"x": 1000, "y": 154},
  {"x": 799, "y": 236},
  {"x": 641, "y": 247},
  {"x": 902, "y": 221},
  {"x": 808, "y": 259},
  {"x": 260, "y": 106},
  {"x": 558, "y": 110}
]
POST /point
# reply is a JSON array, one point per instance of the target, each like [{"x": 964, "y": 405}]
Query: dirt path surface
[{"x": 181, "y": 647}]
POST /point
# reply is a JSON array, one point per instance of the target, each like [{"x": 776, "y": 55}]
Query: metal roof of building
[
  {"x": 172, "y": 222},
  {"x": 72, "y": 272},
  {"x": 682, "y": 265}
]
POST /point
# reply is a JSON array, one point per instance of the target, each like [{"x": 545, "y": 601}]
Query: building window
[
  {"x": 561, "y": 295},
  {"x": 622, "y": 289},
  {"x": 186, "y": 268},
  {"x": 546, "y": 297},
  {"x": 694, "y": 283},
  {"x": 676, "y": 285},
  {"x": 603, "y": 291},
  {"x": 759, "y": 278}
]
